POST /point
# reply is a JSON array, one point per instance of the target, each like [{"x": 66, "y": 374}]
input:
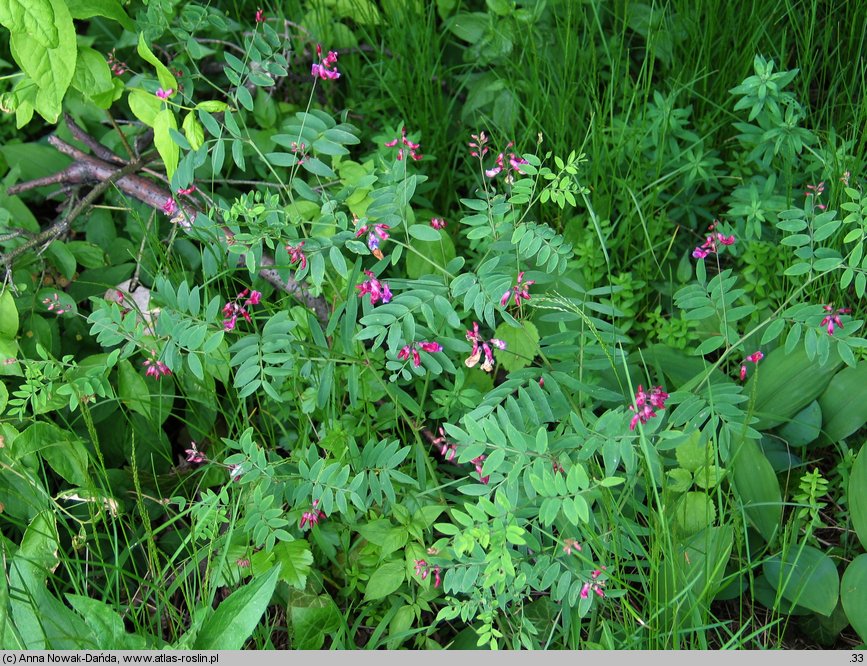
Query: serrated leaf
[
  {"x": 295, "y": 561},
  {"x": 694, "y": 512},
  {"x": 522, "y": 345},
  {"x": 34, "y": 18}
]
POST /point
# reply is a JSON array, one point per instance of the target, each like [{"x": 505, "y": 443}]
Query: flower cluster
[
  {"x": 710, "y": 244},
  {"x": 571, "y": 547},
  {"x": 515, "y": 163},
  {"x": 326, "y": 69},
  {"x": 52, "y": 303},
  {"x": 478, "y": 463},
  {"x": 438, "y": 223},
  {"x": 187, "y": 190},
  {"x": 815, "y": 191},
  {"x": 477, "y": 145},
  {"x": 194, "y": 455},
  {"x": 594, "y": 584},
  {"x": 260, "y": 15},
  {"x": 170, "y": 207},
  {"x": 234, "y": 309},
  {"x": 412, "y": 350},
  {"x": 481, "y": 346},
  {"x": 117, "y": 67},
  {"x": 645, "y": 403},
  {"x": 156, "y": 368},
  {"x": 164, "y": 94},
  {"x": 377, "y": 290},
  {"x": 755, "y": 357},
  {"x": 423, "y": 569},
  {"x": 312, "y": 517},
  {"x": 521, "y": 290},
  {"x": 375, "y": 234},
  {"x": 412, "y": 147},
  {"x": 297, "y": 256},
  {"x": 832, "y": 319}
]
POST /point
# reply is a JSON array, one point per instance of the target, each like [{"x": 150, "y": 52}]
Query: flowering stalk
[
  {"x": 312, "y": 517},
  {"x": 297, "y": 256},
  {"x": 375, "y": 234},
  {"x": 645, "y": 403},
  {"x": 156, "y": 368},
  {"x": 412, "y": 147},
  {"x": 480, "y": 346},
  {"x": 234, "y": 309},
  {"x": 832, "y": 319},
  {"x": 755, "y": 357},
  {"x": 412, "y": 350},
  {"x": 377, "y": 290}
]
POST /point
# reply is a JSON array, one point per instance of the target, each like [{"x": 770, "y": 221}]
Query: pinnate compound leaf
[
  {"x": 51, "y": 68},
  {"x": 235, "y": 619},
  {"x": 33, "y": 18}
]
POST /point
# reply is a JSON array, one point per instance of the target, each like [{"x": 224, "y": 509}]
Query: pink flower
[
  {"x": 816, "y": 191},
  {"x": 423, "y": 569},
  {"x": 312, "y": 517},
  {"x": 646, "y": 403},
  {"x": 296, "y": 255},
  {"x": 377, "y": 290},
  {"x": 710, "y": 244},
  {"x": 412, "y": 350},
  {"x": 431, "y": 347},
  {"x": 155, "y": 368},
  {"x": 479, "y": 462},
  {"x": 164, "y": 94},
  {"x": 448, "y": 449},
  {"x": 377, "y": 232},
  {"x": 477, "y": 145},
  {"x": 515, "y": 163},
  {"x": 327, "y": 68},
  {"x": 117, "y": 67},
  {"x": 170, "y": 207},
  {"x": 845, "y": 178},
  {"x": 521, "y": 291},
  {"x": 260, "y": 15},
  {"x": 234, "y": 309},
  {"x": 480, "y": 347},
  {"x": 194, "y": 455},
  {"x": 52, "y": 304},
  {"x": 413, "y": 147},
  {"x": 187, "y": 190},
  {"x": 438, "y": 223},
  {"x": 832, "y": 319},
  {"x": 570, "y": 545}
]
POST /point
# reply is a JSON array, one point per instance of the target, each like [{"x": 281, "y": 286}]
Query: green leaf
[
  {"x": 805, "y": 576},
  {"x": 85, "y": 9},
  {"x": 853, "y": 594},
  {"x": 804, "y": 427},
  {"x": 166, "y": 78},
  {"x": 295, "y": 560},
  {"x": 844, "y": 403},
  {"x": 163, "y": 141},
  {"x": 34, "y": 18},
  {"x": 522, "y": 345},
  {"x": 424, "y": 232},
  {"x": 385, "y": 580},
  {"x": 61, "y": 449},
  {"x": 51, "y": 68},
  {"x": 678, "y": 480},
  {"x": 144, "y": 106},
  {"x": 785, "y": 383},
  {"x": 694, "y": 452},
  {"x": 8, "y": 316},
  {"x": 62, "y": 258},
  {"x": 694, "y": 512},
  {"x": 429, "y": 256},
  {"x": 106, "y": 624},
  {"x": 757, "y": 488},
  {"x": 194, "y": 131},
  {"x": 229, "y": 627},
  {"x": 313, "y": 617},
  {"x": 858, "y": 496},
  {"x": 92, "y": 77},
  {"x": 132, "y": 389}
]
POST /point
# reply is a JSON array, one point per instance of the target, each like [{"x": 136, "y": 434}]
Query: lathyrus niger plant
[{"x": 257, "y": 391}]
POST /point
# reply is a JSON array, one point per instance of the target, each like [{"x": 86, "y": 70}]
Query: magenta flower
[
  {"x": 570, "y": 546},
  {"x": 52, "y": 304},
  {"x": 326, "y": 69},
  {"x": 832, "y": 319},
  {"x": 170, "y": 207},
  {"x": 260, "y": 15},
  {"x": 413, "y": 147},
  {"x": 312, "y": 517},
  {"x": 477, "y": 145},
  {"x": 164, "y": 94},
  {"x": 234, "y": 309},
  {"x": 521, "y": 291},
  {"x": 515, "y": 163},
  {"x": 412, "y": 350},
  {"x": 187, "y": 190},
  {"x": 377, "y": 232},
  {"x": 377, "y": 290},
  {"x": 296, "y": 255},
  {"x": 710, "y": 244},
  {"x": 117, "y": 67},
  {"x": 755, "y": 357},
  {"x": 423, "y": 569},
  {"x": 646, "y": 403},
  {"x": 478, "y": 463},
  {"x": 194, "y": 455},
  {"x": 815, "y": 191},
  {"x": 480, "y": 347},
  {"x": 438, "y": 223},
  {"x": 448, "y": 450},
  {"x": 155, "y": 368}
]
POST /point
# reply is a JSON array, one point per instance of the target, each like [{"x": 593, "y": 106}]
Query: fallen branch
[{"x": 103, "y": 170}]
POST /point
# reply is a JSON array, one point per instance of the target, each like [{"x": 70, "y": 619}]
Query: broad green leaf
[
  {"x": 702, "y": 562},
  {"x": 92, "y": 77},
  {"x": 144, "y": 106},
  {"x": 33, "y": 18},
  {"x": 858, "y": 496},
  {"x": 61, "y": 449},
  {"x": 132, "y": 389},
  {"x": 166, "y": 78},
  {"x": 62, "y": 258},
  {"x": 674, "y": 364},
  {"x": 844, "y": 403},
  {"x": 804, "y": 427},
  {"x": 429, "y": 257},
  {"x": 694, "y": 452},
  {"x": 8, "y": 316},
  {"x": 313, "y": 617},
  {"x": 163, "y": 141},
  {"x": 4, "y": 397},
  {"x": 853, "y": 594},
  {"x": 385, "y": 580},
  {"x": 193, "y": 131},
  {"x": 757, "y": 488},
  {"x": 235, "y": 618},
  {"x": 85, "y": 9},
  {"x": 51, "y": 68},
  {"x": 786, "y": 383},
  {"x": 805, "y": 576},
  {"x": 424, "y": 232},
  {"x": 694, "y": 512},
  {"x": 295, "y": 560},
  {"x": 522, "y": 345},
  {"x": 106, "y": 623}
]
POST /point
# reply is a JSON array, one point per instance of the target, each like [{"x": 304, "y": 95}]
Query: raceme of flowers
[
  {"x": 326, "y": 68},
  {"x": 375, "y": 234},
  {"x": 297, "y": 256},
  {"x": 376, "y": 289},
  {"x": 480, "y": 347},
  {"x": 234, "y": 309},
  {"x": 423, "y": 569},
  {"x": 412, "y": 147},
  {"x": 311, "y": 517},
  {"x": 521, "y": 290},
  {"x": 710, "y": 244},
  {"x": 412, "y": 350},
  {"x": 755, "y": 357},
  {"x": 155, "y": 367},
  {"x": 832, "y": 319},
  {"x": 646, "y": 403}
]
